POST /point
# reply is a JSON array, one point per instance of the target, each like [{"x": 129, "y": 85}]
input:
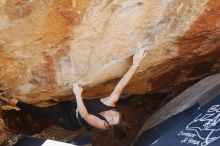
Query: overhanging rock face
[{"x": 46, "y": 44}]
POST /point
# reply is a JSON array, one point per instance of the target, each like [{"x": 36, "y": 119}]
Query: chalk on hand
[
  {"x": 146, "y": 47},
  {"x": 69, "y": 84}
]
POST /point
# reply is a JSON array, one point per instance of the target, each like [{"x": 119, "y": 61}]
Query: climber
[{"x": 98, "y": 113}]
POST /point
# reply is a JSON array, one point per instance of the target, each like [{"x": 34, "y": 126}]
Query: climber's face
[{"x": 112, "y": 117}]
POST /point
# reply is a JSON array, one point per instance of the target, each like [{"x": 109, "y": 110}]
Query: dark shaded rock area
[{"x": 136, "y": 108}]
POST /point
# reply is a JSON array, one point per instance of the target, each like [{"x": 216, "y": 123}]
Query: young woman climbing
[{"x": 98, "y": 113}]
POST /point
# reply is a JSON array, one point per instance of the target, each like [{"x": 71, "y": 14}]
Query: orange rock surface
[{"x": 46, "y": 44}]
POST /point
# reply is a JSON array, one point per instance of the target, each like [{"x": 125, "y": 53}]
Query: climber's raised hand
[
  {"x": 138, "y": 56},
  {"x": 77, "y": 89}
]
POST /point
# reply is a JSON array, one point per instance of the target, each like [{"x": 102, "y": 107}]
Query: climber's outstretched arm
[
  {"x": 115, "y": 95},
  {"x": 89, "y": 118}
]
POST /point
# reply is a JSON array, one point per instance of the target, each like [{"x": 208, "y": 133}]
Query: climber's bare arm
[
  {"x": 96, "y": 122},
  {"x": 115, "y": 95},
  {"x": 89, "y": 118}
]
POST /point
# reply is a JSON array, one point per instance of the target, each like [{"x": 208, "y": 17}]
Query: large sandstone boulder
[{"x": 45, "y": 44}]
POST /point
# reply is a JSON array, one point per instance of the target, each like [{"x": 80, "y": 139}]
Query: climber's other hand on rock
[{"x": 77, "y": 89}]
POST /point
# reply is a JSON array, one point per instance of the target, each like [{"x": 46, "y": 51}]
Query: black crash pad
[
  {"x": 156, "y": 132},
  {"x": 201, "y": 128}
]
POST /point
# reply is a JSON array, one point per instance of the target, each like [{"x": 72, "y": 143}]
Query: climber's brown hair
[{"x": 118, "y": 131}]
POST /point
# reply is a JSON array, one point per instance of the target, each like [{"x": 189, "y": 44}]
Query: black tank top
[{"x": 94, "y": 107}]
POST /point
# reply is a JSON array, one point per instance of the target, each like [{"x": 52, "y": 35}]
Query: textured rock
[
  {"x": 3, "y": 136},
  {"x": 46, "y": 44}
]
